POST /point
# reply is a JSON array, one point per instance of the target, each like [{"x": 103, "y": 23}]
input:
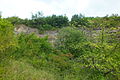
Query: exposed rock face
[
  {"x": 22, "y": 28},
  {"x": 52, "y": 34},
  {"x": 27, "y": 30}
]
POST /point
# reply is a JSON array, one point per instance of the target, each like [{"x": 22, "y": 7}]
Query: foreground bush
[
  {"x": 7, "y": 38},
  {"x": 32, "y": 46},
  {"x": 70, "y": 40}
]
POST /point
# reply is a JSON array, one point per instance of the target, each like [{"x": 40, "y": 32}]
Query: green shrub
[
  {"x": 32, "y": 46},
  {"x": 15, "y": 20},
  {"x": 7, "y": 38},
  {"x": 70, "y": 40},
  {"x": 104, "y": 58},
  {"x": 106, "y": 65}
]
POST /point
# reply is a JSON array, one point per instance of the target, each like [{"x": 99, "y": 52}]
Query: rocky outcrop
[
  {"x": 24, "y": 29},
  {"x": 27, "y": 30}
]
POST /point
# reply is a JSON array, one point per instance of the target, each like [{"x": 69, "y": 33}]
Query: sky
[{"x": 24, "y": 8}]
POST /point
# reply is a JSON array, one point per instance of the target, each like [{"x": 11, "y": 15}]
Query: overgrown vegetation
[{"x": 89, "y": 49}]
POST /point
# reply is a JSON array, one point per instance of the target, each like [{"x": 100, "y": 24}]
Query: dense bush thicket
[
  {"x": 58, "y": 21},
  {"x": 31, "y": 46},
  {"x": 41, "y": 22},
  {"x": 7, "y": 40},
  {"x": 96, "y": 22},
  {"x": 75, "y": 55},
  {"x": 69, "y": 41}
]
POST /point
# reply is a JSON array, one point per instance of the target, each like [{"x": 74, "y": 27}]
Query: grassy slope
[{"x": 17, "y": 70}]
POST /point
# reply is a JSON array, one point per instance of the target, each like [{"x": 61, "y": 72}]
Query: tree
[
  {"x": 104, "y": 57},
  {"x": 7, "y": 41},
  {"x": 37, "y": 15},
  {"x": 30, "y": 45},
  {"x": 14, "y": 20},
  {"x": 41, "y": 22},
  {"x": 71, "y": 40},
  {"x": 79, "y": 20},
  {"x": 57, "y": 21}
]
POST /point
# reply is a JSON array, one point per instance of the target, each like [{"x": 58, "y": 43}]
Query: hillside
[{"x": 53, "y": 48}]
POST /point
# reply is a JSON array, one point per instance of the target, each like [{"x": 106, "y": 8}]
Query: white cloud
[
  {"x": 24, "y": 8},
  {"x": 103, "y": 7}
]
